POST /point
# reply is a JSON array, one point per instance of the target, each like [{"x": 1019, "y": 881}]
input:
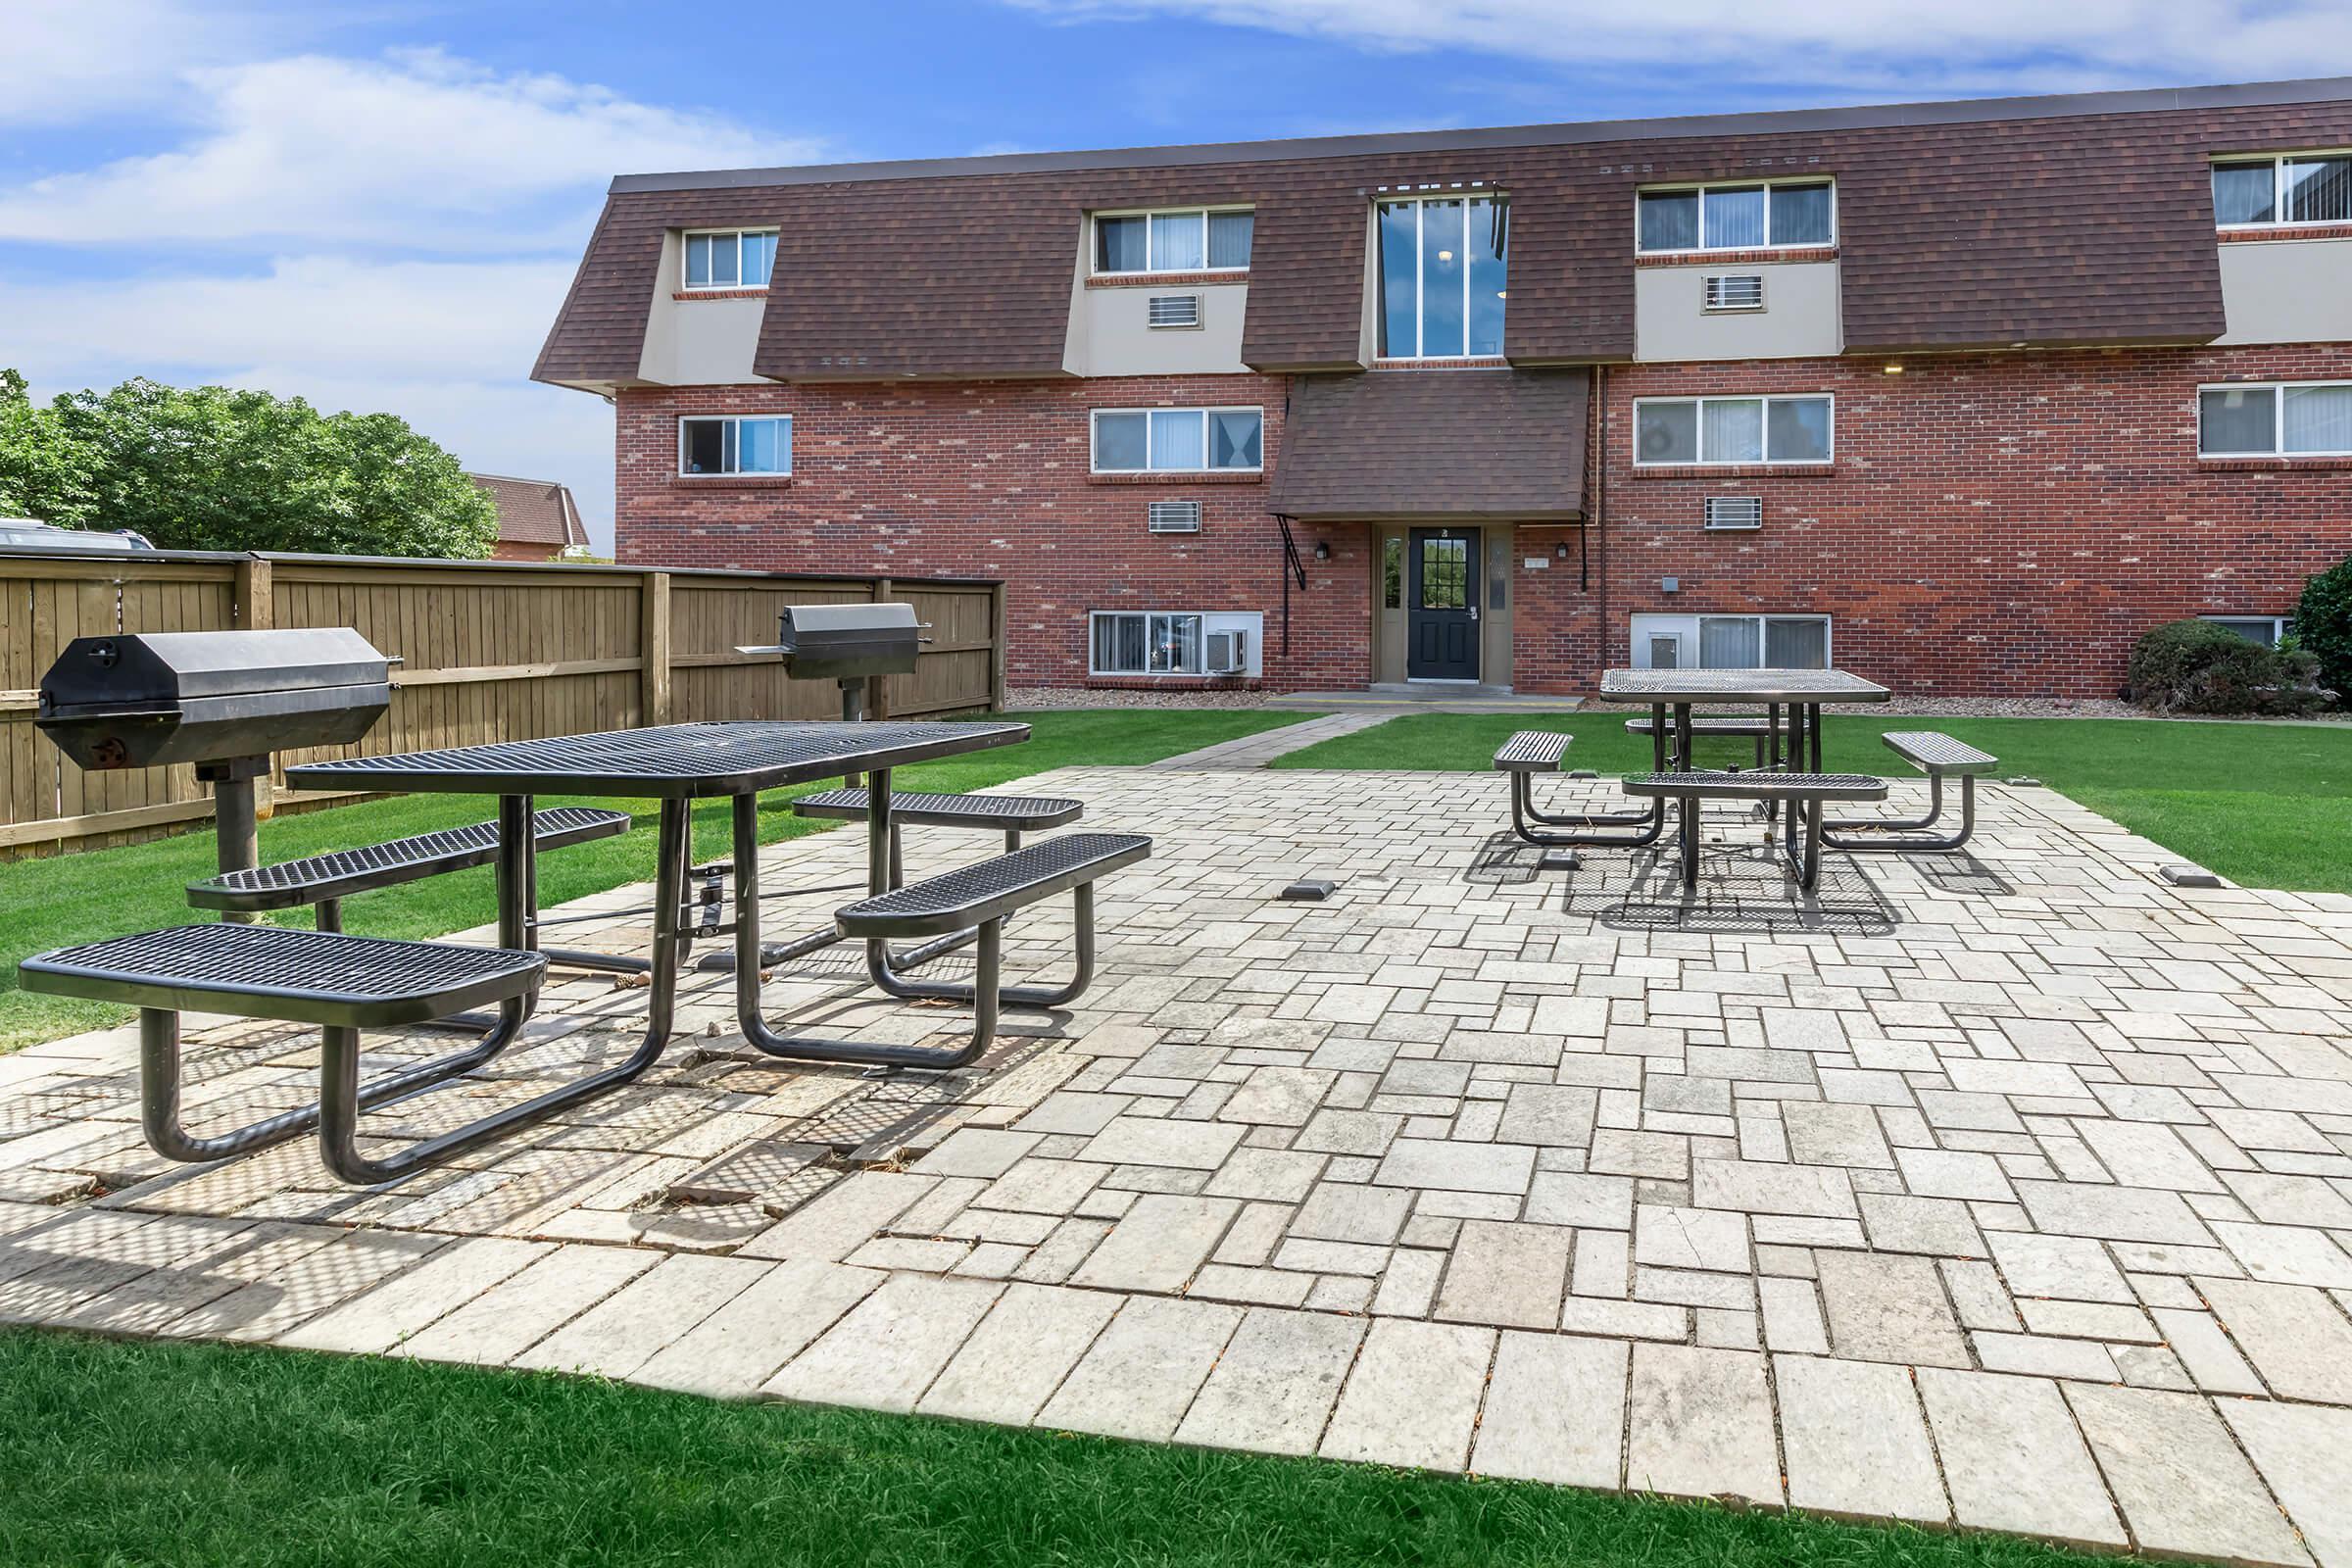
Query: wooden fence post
[
  {"x": 1000, "y": 634},
  {"x": 654, "y": 642},
  {"x": 877, "y": 689},
  {"x": 253, "y": 607}
]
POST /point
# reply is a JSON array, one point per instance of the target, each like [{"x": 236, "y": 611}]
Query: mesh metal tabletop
[
  {"x": 1739, "y": 686},
  {"x": 666, "y": 760}
]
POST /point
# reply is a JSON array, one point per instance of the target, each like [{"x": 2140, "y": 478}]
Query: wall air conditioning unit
[
  {"x": 1172, "y": 516},
  {"x": 1735, "y": 291},
  {"x": 1174, "y": 310},
  {"x": 1727, "y": 513},
  {"x": 1228, "y": 653}
]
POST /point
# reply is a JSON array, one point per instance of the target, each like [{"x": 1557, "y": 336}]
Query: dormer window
[
  {"x": 1188, "y": 241},
  {"x": 1750, "y": 216},
  {"x": 2296, "y": 189},
  {"x": 1443, "y": 276},
  {"x": 729, "y": 258}
]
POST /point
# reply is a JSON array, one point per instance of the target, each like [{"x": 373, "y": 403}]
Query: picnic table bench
[
  {"x": 1802, "y": 792},
  {"x": 1940, "y": 756}
]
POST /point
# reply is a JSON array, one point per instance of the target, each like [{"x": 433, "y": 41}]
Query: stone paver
[
  {"x": 1555, "y": 1411},
  {"x": 1274, "y": 1386},
  {"x": 1700, "y": 1424},
  {"x": 1857, "y": 1444},
  {"x": 2013, "y": 1458},
  {"x": 2025, "y": 1159}
]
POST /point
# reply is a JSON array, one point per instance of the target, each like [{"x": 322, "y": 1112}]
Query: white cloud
[
  {"x": 1980, "y": 45},
  {"x": 66, "y": 61},
  {"x": 416, "y": 150}
]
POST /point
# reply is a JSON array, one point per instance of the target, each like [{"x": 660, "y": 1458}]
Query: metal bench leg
[
  {"x": 1648, "y": 824},
  {"x": 923, "y": 952},
  {"x": 340, "y": 1099},
  {"x": 1689, "y": 842},
  {"x": 1901, "y": 837},
  {"x": 160, "y": 1089},
  {"x": 985, "y": 996},
  {"x": 1082, "y": 902}
]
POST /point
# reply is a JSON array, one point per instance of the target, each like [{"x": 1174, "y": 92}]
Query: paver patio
[{"x": 2011, "y": 1189}]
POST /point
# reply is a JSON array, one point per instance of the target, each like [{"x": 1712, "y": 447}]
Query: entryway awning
[{"x": 1454, "y": 445}]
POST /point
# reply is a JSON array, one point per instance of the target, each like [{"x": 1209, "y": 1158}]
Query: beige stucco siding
[
  {"x": 1801, "y": 317},
  {"x": 2288, "y": 291},
  {"x": 1110, "y": 332},
  {"x": 698, "y": 342}
]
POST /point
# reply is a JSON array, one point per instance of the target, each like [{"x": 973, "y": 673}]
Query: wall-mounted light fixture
[
  {"x": 1894, "y": 369},
  {"x": 1322, "y": 549},
  {"x": 1560, "y": 550}
]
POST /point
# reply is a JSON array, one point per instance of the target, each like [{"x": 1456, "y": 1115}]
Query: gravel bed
[{"x": 1036, "y": 697}]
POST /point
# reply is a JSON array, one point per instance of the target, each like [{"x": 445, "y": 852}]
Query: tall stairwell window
[{"x": 1443, "y": 266}]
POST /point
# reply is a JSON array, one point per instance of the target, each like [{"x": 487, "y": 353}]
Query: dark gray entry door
[{"x": 1442, "y": 615}]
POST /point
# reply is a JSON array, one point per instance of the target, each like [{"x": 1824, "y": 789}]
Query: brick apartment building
[{"x": 1964, "y": 396}]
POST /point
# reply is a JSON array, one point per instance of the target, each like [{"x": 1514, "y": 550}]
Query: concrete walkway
[
  {"x": 1256, "y": 751},
  {"x": 2007, "y": 1191}
]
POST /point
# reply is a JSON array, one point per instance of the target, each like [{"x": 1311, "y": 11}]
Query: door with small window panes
[{"x": 1442, "y": 605}]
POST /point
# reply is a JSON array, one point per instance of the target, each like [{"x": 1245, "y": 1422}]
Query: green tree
[
  {"x": 213, "y": 468},
  {"x": 2323, "y": 626},
  {"x": 44, "y": 472}
]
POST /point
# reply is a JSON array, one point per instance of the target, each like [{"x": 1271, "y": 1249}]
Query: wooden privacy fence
[{"x": 491, "y": 651}]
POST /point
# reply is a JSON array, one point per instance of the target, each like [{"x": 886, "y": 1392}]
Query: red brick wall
[
  {"x": 1999, "y": 524},
  {"x": 1993, "y": 525},
  {"x": 990, "y": 479}
]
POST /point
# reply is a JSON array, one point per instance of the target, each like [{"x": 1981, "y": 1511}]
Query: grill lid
[
  {"x": 141, "y": 699},
  {"x": 844, "y": 642}
]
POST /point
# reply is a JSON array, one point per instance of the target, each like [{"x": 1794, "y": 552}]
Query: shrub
[
  {"x": 2323, "y": 624},
  {"x": 2194, "y": 666}
]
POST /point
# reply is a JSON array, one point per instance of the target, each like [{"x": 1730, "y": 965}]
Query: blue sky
[{"x": 378, "y": 205}]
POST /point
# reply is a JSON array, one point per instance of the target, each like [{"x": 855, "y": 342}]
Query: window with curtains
[
  {"x": 733, "y": 258},
  {"x": 1718, "y": 430},
  {"x": 2295, "y": 188},
  {"x": 737, "y": 444},
  {"x": 1730, "y": 642},
  {"x": 1178, "y": 440},
  {"x": 2276, "y": 418},
  {"x": 1190, "y": 240},
  {"x": 1443, "y": 277},
  {"x": 1756, "y": 214}
]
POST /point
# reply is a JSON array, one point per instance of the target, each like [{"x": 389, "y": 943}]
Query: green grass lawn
[
  {"x": 2266, "y": 805},
  {"x": 122, "y": 1453},
  {"x": 57, "y": 902}
]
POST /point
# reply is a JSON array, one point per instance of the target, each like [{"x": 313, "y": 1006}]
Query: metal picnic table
[
  {"x": 1802, "y": 691},
  {"x": 676, "y": 765}
]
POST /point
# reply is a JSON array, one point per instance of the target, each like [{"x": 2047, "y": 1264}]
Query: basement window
[{"x": 737, "y": 444}]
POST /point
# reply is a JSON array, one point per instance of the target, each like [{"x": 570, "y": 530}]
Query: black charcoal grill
[
  {"x": 847, "y": 643},
  {"x": 222, "y": 700}
]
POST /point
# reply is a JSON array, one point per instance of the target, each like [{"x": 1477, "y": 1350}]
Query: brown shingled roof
[
  {"x": 2076, "y": 220},
  {"x": 533, "y": 512},
  {"x": 1505, "y": 445}
]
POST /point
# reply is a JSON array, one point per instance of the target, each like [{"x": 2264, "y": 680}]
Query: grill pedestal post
[{"x": 237, "y": 820}]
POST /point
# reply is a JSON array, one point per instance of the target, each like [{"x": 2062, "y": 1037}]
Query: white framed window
[
  {"x": 1754, "y": 215},
  {"x": 2268, "y": 630},
  {"x": 737, "y": 443},
  {"x": 1445, "y": 264},
  {"x": 1730, "y": 642},
  {"x": 1173, "y": 642},
  {"x": 728, "y": 257},
  {"x": 1179, "y": 440},
  {"x": 2288, "y": 188},
  {"x": 1703, "y": 431},
  {"x": 2274, "y": 419},
  {"x": 1194, "y": 239}
]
